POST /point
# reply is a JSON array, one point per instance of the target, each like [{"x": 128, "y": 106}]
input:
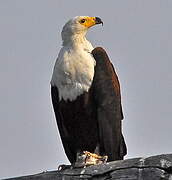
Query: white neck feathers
[{"x": 74, "y": 69}]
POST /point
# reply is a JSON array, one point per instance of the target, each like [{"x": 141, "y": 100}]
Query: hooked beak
[{"x": 98, "y": 21}]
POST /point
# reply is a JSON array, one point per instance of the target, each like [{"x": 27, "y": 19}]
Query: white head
[
  {"x": 74, "y": 69},
  {"x": 78, "y": 26}
]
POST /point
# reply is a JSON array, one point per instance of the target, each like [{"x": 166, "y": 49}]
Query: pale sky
[{"x": 137, "y": 35}]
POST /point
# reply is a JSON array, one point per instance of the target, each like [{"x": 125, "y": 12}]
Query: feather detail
[{"x": 74, "y": 69}]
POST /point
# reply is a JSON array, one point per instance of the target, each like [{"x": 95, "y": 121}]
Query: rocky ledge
[{"x": 150, "y": 168}]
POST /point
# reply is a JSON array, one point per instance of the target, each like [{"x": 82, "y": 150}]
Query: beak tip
[{"x": 99, "y": 21}]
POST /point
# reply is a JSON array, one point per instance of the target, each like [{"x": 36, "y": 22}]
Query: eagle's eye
[{"x": 83, "y": 20}]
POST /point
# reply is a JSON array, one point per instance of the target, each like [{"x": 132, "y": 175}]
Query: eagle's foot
[{"x": 87, "y": 159}]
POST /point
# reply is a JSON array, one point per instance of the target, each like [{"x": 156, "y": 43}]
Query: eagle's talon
[{"x": 87, "y": 159}]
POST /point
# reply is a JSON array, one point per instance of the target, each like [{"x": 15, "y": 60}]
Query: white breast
[{"x": 73, "y": 72}]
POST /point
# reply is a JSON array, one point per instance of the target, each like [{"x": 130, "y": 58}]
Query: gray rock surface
[{"x": 150, "y": 168}]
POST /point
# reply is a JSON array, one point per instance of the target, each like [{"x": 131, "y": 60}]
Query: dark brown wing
[
  {"x": 106, "y": 89},
  {"x": 65, "y": 136}
]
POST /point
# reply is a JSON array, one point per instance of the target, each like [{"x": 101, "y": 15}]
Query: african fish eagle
[{"x": 86, "y": 95}]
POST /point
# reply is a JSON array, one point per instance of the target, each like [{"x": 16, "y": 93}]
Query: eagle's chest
[
  {"x": 78, "y": 67},
  {"x": 74, "y": 73}
]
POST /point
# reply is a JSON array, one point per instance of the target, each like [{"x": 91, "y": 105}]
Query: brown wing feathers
[{"x": 94, "y": 118}]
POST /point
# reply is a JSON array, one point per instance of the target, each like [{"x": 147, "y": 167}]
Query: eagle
[{"x": 86, "y": 96}]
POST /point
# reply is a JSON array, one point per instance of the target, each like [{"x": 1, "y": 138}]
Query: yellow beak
[{"x": 91, "y": 21}]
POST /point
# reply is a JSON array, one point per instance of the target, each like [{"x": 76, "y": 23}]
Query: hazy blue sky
[{"x": 137, "y": 35}]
